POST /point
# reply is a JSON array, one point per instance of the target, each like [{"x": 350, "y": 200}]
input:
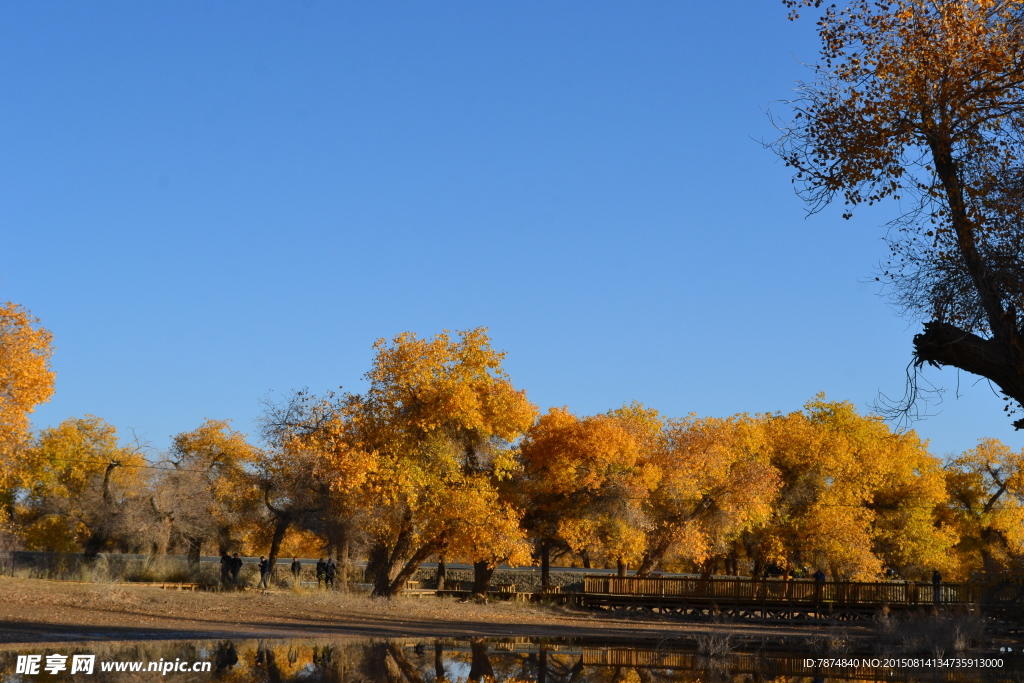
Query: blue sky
[{"x": 208, "y": 203}]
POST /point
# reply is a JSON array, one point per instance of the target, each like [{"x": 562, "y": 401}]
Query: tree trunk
[
  {"x": 439, "y": 674},
  {"x": 280, "y": 529},
  {"x": 622, "y": 567},
  {"x": 382, "y": 581},
  {"x": 418, "y": 558},
  {"x": 194, "y": 552},
  {"x": 576, "y": 671},
  {"x": 442, "y": 573},
  {"x": 545, "y": 565},
  {"x": 93, "y": 546},
  {"x": 652, "y": 558},
  {"x": 346, "y": 563},
  {"x": 482, "y": 573},
  {"x": 1000, "y": 358},
  {"x": 410, "y": 672},
  {"x": 585, "y": 556},
  {"x": 480, "y": 664},
  {"x": 945, "y": 344},
  {"x": 542, "y": 665}
]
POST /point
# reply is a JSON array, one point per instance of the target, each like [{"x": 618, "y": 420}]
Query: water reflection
[{"x": 478, "y": 660}]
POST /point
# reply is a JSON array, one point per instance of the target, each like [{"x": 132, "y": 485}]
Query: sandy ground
[{"x": 37, "y": 611}]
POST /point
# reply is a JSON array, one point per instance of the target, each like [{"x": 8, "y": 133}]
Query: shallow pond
[{"x": 712, "y": 658}]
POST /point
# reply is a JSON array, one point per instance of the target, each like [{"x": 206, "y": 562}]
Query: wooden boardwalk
[{"x": 772, "y": 598}]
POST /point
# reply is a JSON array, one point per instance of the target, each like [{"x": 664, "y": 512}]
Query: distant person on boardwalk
[
  {"x": 225, "y": 568},
  {"x": 819, "y": 583},
  {"x": 330, "y": 571},
  {"x": 264, "y": 573},
  {"x": 936, "y": 587},
  {"x": 296, "y": 569},
  {"x": 321, "y": 572},
  {"x": 236, "y": 567}
]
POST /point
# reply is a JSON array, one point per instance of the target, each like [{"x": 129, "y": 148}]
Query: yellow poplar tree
[
  {"x": 81, "y": 481},
  {"x": 209, "y": 493},
  {"x": 587, "y": 481},
  {"x": 26, "y": 380},
  {"x": 718, "y": 482},
  {"x": 856, "y": 498},
  {"x": 439, "y": 417},
  {"x": 986, "y": 504}
]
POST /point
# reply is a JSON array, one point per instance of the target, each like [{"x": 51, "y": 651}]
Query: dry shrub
[
  {"x": 714, "y": 645},
  {"x": 930, "y": 633}
]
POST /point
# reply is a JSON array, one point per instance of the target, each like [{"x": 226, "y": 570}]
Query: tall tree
[
  {"x": 923, "y": 101},
  {"x": 26, "y": 380},
  {"x": 587, "y": 481},
  {"x": 718, "y": 482},
  {"x": 208, "y": 493},
  {"x": 855, "y": 498},
  {"x": 986, "y": 505},
  {"x": 419, "y": 456},
  {"x": 318, "y": 436},
  {"x": 438, "y": 416},
  {"x": 83, "y": 487}
]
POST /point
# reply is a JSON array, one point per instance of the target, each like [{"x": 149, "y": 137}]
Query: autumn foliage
[
  {"x": 922, "y": 101},
  {"x": 444, "y": 458}
]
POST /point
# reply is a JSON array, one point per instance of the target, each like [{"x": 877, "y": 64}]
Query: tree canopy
[{"x": 922, "y": 101}]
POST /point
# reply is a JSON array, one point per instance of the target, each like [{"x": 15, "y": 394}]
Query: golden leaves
[{"x": 26, "y": 379}]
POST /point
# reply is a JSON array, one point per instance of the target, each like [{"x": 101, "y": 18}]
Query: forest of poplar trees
[{"x": 443, "y": 458}]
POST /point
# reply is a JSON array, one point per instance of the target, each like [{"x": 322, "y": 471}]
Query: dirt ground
[{"x": 36, "y": 611}]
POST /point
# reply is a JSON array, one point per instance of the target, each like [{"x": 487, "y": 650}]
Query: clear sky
[{"x": 210, "y": 202}]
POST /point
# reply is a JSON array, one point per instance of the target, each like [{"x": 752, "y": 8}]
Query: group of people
[
  {"x": 229, "y": 569},
  {"x": 326, "y": 571}
]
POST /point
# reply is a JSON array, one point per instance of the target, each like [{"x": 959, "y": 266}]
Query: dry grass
[{"x": 932, "y": 634}]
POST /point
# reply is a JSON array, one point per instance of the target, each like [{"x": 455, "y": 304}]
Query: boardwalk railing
[{"x": 792, "y": 591}]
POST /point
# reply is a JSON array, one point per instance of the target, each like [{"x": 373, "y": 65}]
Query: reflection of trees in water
[
  {"x": 441, "y": 661},
  {"x": 472, "y": 661},
  {"x": 481, "y": 664}
]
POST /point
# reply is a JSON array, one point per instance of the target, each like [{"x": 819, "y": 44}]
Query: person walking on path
[
  {"x": 321, "y": 572},
  {"x": 330, "y": 571},
  {"x": 236, "y": 567},
  {"x": 296, "y": 569},
  {"x": 264, "y": 573}
]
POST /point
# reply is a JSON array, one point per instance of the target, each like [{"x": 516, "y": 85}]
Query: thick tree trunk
[
  {"x": 480, "y": 664},
  {"x": 410, "y": 672},
  {"x": 439, "y": 674},
  {"x": 385, "y": 572},
  {"x": 545, "y": 565},
  {"x": 621, "y": 568},
  {"x": 1001, "y": 363},
  {"x": 442, "y": 573},
  {"x": 346, "y": 563},
  {"x": 542, "y": 665},
  {"x": 418, "y": 558},
  {"x": 585, "y": 556},
  {"x": 93, "y": 546},
  {"x": 1001, "y": 358},
  {"x": 280, "y": 529},
  {"x": 482, "y": 573},
  {"x": 652, "y": 558}
]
